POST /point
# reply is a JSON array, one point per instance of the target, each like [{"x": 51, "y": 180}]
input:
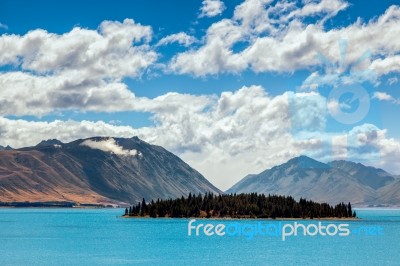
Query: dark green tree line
[{"x": 250, "y": 205}]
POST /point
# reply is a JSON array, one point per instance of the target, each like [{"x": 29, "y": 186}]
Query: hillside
[
  {"x": 333, "y": 182},
  {"x": 96, "y": 170}
]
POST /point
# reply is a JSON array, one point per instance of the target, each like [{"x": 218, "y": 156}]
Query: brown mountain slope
[
  {"x": 36, "y": 176},
  {"x": 96, "y": 170}
]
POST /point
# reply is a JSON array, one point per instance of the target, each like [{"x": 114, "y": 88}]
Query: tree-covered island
[{"x": 250, "y": 205}]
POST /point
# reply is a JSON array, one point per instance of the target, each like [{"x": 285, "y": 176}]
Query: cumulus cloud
[
  {"x": 389, "y": 64},
  {"x": 114, "y": 50},
  {"x": 371, "y": 146},
  {"x": 274, "y": 38},
  {"x": 28, "y": 94},
  {"x": 181, "y": 38},
  {"x": 221, "y": 136},
  {"x": 224, "y": 140},
  {"x": 383, "y": 96},
  {"x": 211, "y": 8},
  {"x": 366, "y": 143},
  {"x": 84, "y": 69},
  {"x": 78, "y": 70},
  {"x": 220, "y": 130},
  {"x": 22, "y": 133},
  {"x": 335, "y": 107},
  {"x": 109, "y": 145},
  {"x": 324, "y": 8},
  {"x": 224, "y": 136}
]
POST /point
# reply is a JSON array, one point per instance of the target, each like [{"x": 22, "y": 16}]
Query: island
[{"x": 238, "y": 206}]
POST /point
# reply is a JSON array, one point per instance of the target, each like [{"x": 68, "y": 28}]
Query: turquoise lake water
[{"x": 100, "y": 237}]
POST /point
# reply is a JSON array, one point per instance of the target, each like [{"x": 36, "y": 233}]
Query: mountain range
[
  {"x": 7, "y": 148},
  {"x": 96, "y": 171},
  {"x": 104, "y": 170},
  {"x": 332, "y": 182}
]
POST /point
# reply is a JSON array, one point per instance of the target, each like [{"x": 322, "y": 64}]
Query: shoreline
[
  {"x": 57, "y": 207},
  {"x": 247, "y": 218},
  {"x": 57, "y": 204}
]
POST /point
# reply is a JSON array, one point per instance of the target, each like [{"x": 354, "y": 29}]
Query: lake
[{"x": 100, "y": 237}]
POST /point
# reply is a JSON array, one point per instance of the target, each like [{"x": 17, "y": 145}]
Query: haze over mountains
[
  {"x": 96, "y": 170},
  {"x": 7, "y": 148},
  {"x": 333, "y": 182},
  {"x": 124, "y": 170}
]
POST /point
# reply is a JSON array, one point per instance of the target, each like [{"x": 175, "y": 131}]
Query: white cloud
[
  {"x": 219, "y": 135},
  {"x": 84, "y": 69},
  {"x": 21, "y": 133},
  {"x": 371, "y": 145},
  {"x": 274, "y": 39},
  {"x": 339, "y": 147},
  {"x": 387, "y": 65},
  {"x": 212, "y": 130},
  {"x": 27, "y": 94},
  {"x": 3, "y": 26},
  {"x": 326, "y": 8},
  {"x": 333, "y": 106},
  {"x": 316, "y": 80},
  {"x": 78, "y": 70},
  {"x": 181, "y": 38},
  {"x": 223, "y": 138},
  {"x": 113, "y": 51},
  {"x": 109, "y": 145},
  {"x": 211, "y": 8},
  {"x": 383, "y": 96}
]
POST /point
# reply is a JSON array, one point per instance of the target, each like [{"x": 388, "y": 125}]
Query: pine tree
[
  {"x": 241, "y": 205},
  {"x": 349, "y": 211},
  {"x": 144, "y": 208}
]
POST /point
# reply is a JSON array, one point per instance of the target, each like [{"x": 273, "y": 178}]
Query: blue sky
[{"x": 182, "y": 74}]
